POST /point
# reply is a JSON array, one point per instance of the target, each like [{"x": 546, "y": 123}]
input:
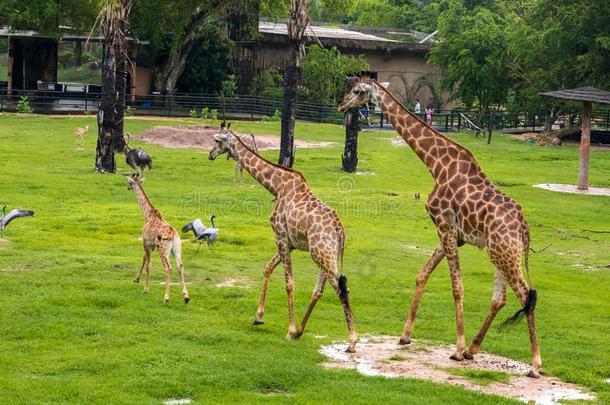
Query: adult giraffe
[
  {"x": 300, "y": 221},
  {"x": 466, "y": 208}
]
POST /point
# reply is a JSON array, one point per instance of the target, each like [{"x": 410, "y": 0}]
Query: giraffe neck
[
  {"x": 145, "y": 204},
  {"x": 270, "y": 176},
  {"x": 428, "y": 144}
]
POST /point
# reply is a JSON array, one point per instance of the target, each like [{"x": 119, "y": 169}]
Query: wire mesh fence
[{"x": 83, "y": 99}]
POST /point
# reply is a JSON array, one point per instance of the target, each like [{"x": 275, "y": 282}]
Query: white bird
[
  {"x": 201, "y": 232},
  {"x": 6, "y": 219}
]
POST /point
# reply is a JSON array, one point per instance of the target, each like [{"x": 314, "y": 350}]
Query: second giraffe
[{"x": 300, "y": 221}]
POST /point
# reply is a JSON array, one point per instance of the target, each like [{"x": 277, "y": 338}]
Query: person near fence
[
  {"x": 429, "y": 111},
  {"x": 417, "y": 109}
]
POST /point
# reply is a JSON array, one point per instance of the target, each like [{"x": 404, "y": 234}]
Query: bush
[
  {"x": 324, "y": 73},
  {"x": 269, "y": 84},
  {"x": 129, "y": 111},
  {"x": 213, "y": 114},
  {"x": 193, "y": 113},
  {"x": 23, "y": 106}
]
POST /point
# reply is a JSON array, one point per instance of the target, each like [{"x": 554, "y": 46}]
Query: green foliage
[
  {"x": 229, "y": 86},
  {"x": 472, "y": 49},
  {"x": 208, "y": 68},
  {"x": 129, "y": 111},
  {"x": 213, "y": 114},
  {"x": 23, "y": 106},
  {"x": 277, "y": 116},
  {"x": 46, "y": 16},
  {"x": 268, "y": 84},
  {"x": 554, "y": 45},
  {"x": 193, "y": 113},
  {"x": 325, "y": 71}
]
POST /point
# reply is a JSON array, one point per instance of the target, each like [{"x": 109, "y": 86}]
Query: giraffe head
[
  {"x": 223, "y": 143},
  {"x": 364, "y": 91}
]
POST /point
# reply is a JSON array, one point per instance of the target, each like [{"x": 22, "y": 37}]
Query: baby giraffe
[
  {"x": 300, "y": 221},
  {"x": 160, "y": 235}
]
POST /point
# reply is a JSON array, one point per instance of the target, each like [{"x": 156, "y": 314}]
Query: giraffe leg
[
  {"x": 497, "y": 302},
  {"x": 420, "y": 284},
  {"x": 164, "y": 255},
  {"x": 521, "y": 289},
  {"x": 292, "y": 329},
  {"x": 177, "y": 249},
  {"x": 147, "y": 280},
  {"x": 450, "y": 247},
  {"x": 145, "y": 260},
  {"x": 340, "y": 286},
  {"x": 269, "y": 267},
  {"x": 317, "y": 293}
]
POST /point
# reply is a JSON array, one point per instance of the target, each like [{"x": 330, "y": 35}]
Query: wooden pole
[{"x": 585, "y": 142}]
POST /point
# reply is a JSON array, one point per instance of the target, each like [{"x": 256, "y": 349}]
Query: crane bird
[
  {"x": 6, "y": 219},
  {"x": 201, "y": 232}
]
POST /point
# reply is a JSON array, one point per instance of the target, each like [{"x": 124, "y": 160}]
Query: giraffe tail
[{"x": 528, "y": 307}]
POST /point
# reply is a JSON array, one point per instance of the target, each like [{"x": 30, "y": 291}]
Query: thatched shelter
[{"x": 588, "y": 95}]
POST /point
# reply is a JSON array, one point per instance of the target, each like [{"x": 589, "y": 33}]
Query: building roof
[
  {"x": 581, "y": 94},
  {"x": 340, "y": 37},
  {"x": 68, "y": 35}
]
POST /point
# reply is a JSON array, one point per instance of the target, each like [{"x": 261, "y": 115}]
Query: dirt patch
[
  {"x": 570, "y": 188},
  {"x": 234, "y": 282},
  {"x": 382, "y": 356},
  {"x": 202, "y": 137}
]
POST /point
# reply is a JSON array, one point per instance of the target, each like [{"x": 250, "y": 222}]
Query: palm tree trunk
[
  {"x": 291, "y": 81},
  {"x": 111, "y": 110},
  {"x": 104, "y": 152},
  {"x": 297, "y": 23}
]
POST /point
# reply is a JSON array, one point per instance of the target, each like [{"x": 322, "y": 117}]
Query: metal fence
[{"x": 83, "y": 99}]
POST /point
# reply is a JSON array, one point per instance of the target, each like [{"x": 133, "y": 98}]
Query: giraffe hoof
[
  {"x": 404, "y": 341},
  {"x": 350, "y": 350},
  {"x": 292, "y": 336},
  {"x": 257, "y": 322},
  {"x": 187, "y": 299},
  {"x": 165, "y": 300},
  {"x": 467, "y": 355},
  {"x": 533, "y": 374},
  {"x": 456, "y": 357},
  {"x": 136, "y": 280}
]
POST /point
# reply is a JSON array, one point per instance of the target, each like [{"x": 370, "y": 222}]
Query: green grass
[
  {"x": 481, "y": 377},
  {"x": 74, "y": 328}
]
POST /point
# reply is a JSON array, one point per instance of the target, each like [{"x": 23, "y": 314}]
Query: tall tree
[
  {"x": 171, "y": 28},
  {"x": 297, "y": 23},
  {"x": 111, "y": 111},
  {"x": 472, "y": 49}
]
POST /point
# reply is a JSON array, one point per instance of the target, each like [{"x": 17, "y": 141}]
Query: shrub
[
  {"x": 23, "y": 106},
  {"x": 129, "y": 111},
  {"x": 213, "y": 114},
  {"x": 193, "y": 113},
  {"x": 269, "y": 84}
]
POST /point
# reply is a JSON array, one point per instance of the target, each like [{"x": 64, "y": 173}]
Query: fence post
[
  {"x": 86, "y": 99},
  {"x": 459, "y": 121},
  {"x": 490, "y": 126},
  {"x": 608, "y": 119},
  {"x": 446, "y": 123}
]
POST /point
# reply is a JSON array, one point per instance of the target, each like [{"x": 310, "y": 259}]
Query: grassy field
[{"x": 74, "y": 328}]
